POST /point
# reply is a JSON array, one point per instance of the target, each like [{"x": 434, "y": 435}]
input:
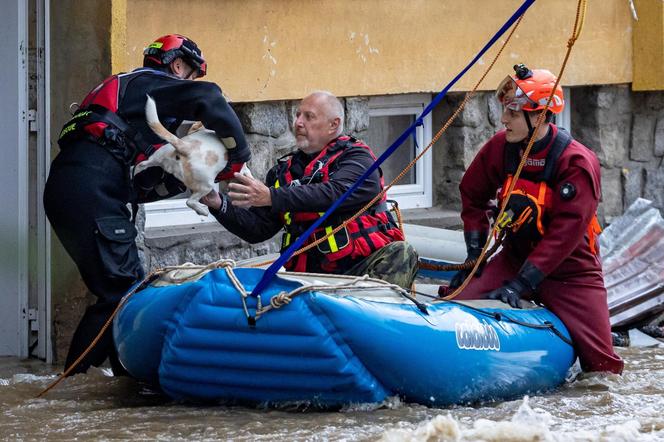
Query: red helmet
[
  {"x": 169, "y": 47},
  {"x": 529, "y": 90}
]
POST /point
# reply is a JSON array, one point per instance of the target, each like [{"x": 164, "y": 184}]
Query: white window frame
[
  {"x": 171, "y": 213},
  {"x": 420, "y": 194},
  {"x": 564, "y": 119}
]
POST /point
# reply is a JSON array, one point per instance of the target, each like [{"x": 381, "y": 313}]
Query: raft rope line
[
  {"x": 578, "y": 25},
  {"x": 168, "y": 275},
  {"x": 285, "y": 298},
  {"x": 498, "y": 316},
  {"x": 410, "y": 165}
]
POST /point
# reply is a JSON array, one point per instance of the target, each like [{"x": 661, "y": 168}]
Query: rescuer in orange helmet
[{"x": 550, "y": 253}]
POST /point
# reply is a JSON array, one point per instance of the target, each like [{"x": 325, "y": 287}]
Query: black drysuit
[{"x": 88, "y": 189}]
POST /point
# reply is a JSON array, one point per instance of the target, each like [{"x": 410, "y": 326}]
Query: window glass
[{"x": 383, "y": 131}]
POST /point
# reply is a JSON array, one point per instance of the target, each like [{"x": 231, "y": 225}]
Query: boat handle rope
[
  {"x": 284, "y": 298},
  {"x": 515, "y": 18},
  {"x": 545, "y": 325},
  {"x": 271, "y": 271},
  {"x": 576, "y": 31}
]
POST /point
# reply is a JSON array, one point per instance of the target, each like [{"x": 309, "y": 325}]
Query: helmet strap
[{"x": 531, "y": 129}]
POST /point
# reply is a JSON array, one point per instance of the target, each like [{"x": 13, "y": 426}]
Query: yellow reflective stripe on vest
[
  {"x": 288, "y": 220},
  {"x": 331, "y": 240},
  {"x": 287, "y": 217}
]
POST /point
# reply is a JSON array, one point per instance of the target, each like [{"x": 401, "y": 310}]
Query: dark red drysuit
[{"x": 573, "y": 287}]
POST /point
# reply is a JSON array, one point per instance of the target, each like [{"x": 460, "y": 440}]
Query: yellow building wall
[
  {"x": 282, "y": 49},
  {"x": 648, "y": 41}
]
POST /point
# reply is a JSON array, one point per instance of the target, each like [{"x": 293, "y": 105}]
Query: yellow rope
[
  {"x": 443, "y": 129},
  {"x": 96, "y": 339},
  {"x": 578, "y": 25}
]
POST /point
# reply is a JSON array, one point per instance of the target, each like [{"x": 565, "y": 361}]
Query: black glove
[
  {"x": 525, "y": 283},
  {"x": 150, "y": 177},
  {"x": 166, "y": 187},
  {"x": 474, "y": 243}
]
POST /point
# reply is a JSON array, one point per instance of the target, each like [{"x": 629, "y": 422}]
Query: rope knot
[
  {"x": 280, "y": 300},
  {"x": 224, "y": 262}
]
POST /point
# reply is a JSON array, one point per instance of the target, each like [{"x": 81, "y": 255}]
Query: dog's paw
[
  {"x": 202, "y": 211},
  {"x": 199, "y": 208}
]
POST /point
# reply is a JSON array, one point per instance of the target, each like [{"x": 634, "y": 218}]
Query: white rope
[
  {"x": 284, "y": 298},
  {"x": 171, "y": 273},
  {"x": 171, "y": 276}
]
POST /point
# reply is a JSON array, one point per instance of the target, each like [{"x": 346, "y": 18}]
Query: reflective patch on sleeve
[{"x": 229, "y": 142}]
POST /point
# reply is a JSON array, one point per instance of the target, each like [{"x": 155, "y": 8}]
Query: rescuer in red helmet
[
  {"x": 90, "y": 185},
  {"x": 550, "y": 254}
]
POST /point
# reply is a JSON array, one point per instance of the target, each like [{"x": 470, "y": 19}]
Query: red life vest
[
  {"x": 361, "y": 237},
  {"x": 97, "y": 120},
  {"x": 526, "y": 214}
]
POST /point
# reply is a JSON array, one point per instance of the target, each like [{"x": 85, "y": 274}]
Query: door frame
[{"x": 42, "y": 236}]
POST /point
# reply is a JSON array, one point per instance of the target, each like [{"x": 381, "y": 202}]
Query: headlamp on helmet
[{"x": 529, "y": 90}]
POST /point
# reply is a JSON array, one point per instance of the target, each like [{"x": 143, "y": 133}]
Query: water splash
[{"x": 525, "y": 425}]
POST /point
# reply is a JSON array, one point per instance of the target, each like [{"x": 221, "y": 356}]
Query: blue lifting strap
[{"x": 285, "y": 256}]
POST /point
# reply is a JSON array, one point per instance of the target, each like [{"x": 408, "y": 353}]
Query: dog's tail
[{"x": 158, "y": 128}]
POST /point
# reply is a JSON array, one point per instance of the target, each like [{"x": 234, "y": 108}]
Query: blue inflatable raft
[{"x": 339, "y": 342}]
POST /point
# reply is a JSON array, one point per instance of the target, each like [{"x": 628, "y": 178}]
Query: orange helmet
[{"x": 529, "y": 90}]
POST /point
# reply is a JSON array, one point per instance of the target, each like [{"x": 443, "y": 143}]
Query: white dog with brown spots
[{"x": 195, "y": 159}]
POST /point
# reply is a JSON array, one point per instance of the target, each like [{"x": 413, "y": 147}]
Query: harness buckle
[{"x": 505, "y": 219}]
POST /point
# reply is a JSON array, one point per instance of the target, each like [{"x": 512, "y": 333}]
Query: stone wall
[
  {"x": 457, "y": 147},
  {"x": 625, "y": 129}
]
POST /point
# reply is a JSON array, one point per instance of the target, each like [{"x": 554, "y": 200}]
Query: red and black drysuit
[
  {"x": 564, "y": 259},
  {"x": 89, "y": 184},
  {"x": 302, "y": 188}
]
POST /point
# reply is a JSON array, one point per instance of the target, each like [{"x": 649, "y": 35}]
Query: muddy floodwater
[{"x": 96, "y": 406}]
